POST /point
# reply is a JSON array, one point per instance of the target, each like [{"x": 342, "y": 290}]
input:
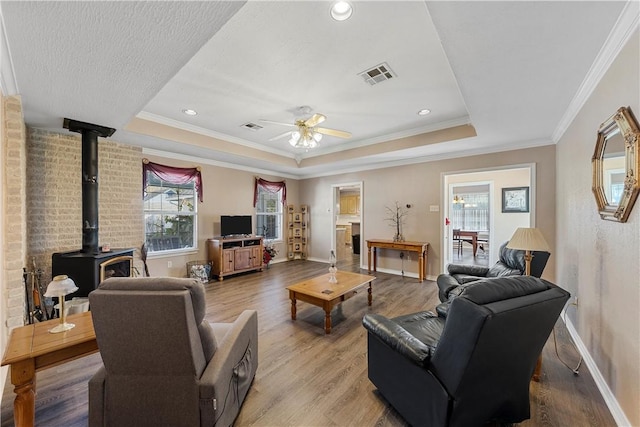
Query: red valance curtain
[
  {"x": 271, "y": 187},
  {"x": 173, "y": 175}
]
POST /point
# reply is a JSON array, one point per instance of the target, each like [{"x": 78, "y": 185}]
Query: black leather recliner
[
  {"x": 472, "y": 366},
  {"x": 511, "y": 263}
]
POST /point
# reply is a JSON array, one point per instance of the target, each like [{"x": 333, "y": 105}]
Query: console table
[
  {"x": 419, "y": 247},
  {"x": 32, "y": 348}
]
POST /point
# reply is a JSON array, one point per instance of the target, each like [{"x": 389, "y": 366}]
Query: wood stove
[
  {"x": 85, "y": 269},
  {"x": 84, "y": 266}
]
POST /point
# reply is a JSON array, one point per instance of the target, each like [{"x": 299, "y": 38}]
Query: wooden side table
[{"x": 32, "y": 348}]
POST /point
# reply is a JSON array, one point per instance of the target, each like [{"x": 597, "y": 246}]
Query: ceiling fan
[{"x": 307, "y": 135}]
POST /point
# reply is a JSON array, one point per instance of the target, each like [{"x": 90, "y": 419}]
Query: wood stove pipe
[{"x": 90, "y": 134}]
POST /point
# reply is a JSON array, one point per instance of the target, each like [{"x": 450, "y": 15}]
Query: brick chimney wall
[
  {"x": 14, "y": 195},
  {"x": 54, "y": 201}
]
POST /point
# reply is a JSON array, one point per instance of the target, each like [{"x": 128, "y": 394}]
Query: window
[
  {"x": 472, "y": 212},
  {"x": 170, "y": 215},
  {"x": 269, "y": 214}
]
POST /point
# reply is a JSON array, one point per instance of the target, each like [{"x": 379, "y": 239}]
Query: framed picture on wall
[{"x": 515, "y": 199}]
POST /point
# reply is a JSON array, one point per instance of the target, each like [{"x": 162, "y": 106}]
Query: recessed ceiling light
[
  {"x": 423, "y": 112},
  {"x": 190, "y": 112},
  {"x": 341, "y": 10}
]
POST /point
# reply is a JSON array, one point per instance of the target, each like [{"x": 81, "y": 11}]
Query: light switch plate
[{"x": 434, "y": 208}]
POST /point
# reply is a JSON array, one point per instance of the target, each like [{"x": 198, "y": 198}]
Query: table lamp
[
  {"x": 59, "y": 287},
  {"x": 528, "y": 239}
]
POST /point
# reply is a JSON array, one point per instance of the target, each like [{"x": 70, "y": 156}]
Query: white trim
[
  {"x": 445, "y": 196},
  {"x": 195, "y": 159},
  {"x": 8, "y": 83},
  {"x": 382, "y": 164},
  {"x": 210, "y": 133},
  {"x": 321, "y": 151},
  {"x": 608, "y": 396},
  {"x": 623, "y": 29}
]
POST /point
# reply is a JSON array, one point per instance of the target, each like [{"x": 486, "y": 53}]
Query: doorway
[
  {"x": 347, "y": 224},
  {"x": 471, "y": 221},
  {"x": 458, "y": 191}
]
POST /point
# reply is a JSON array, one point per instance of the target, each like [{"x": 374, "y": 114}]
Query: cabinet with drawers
[{"x": 234, "y": 255}]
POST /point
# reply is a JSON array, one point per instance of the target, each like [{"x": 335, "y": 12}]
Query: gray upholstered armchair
[{"x": 164, "y": 363}]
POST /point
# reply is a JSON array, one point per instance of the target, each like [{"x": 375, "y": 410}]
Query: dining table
[{"x": 470, "y": 237}]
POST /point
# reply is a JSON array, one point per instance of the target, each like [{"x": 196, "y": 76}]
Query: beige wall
[
  {"x": 421, "y": 186},
  {"x": 599, "y": 261},
  {"x": 226, "y": 192}
]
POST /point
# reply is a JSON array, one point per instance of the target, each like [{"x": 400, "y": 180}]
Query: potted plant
[{"x": 269, "y": 253}]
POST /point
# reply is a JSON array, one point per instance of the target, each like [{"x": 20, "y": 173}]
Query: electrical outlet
[
  {"x": 169, "y": 264},
  {"x": 575, "y": 302}
]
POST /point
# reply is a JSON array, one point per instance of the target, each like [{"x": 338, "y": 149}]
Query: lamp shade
[
  {"x": 528, "y": 239},
  {"x": 60, "y": 286}
]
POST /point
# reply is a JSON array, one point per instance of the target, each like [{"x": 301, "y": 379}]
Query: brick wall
[
  {"x": 14, "y": 215},
  {"x": 54, "y": 189}
]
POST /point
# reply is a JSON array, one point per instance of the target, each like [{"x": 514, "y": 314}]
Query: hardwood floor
[{"x": 307, "y": 378}]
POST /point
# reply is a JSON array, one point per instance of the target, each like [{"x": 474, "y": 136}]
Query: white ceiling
[{"x": 511, "y": 70}]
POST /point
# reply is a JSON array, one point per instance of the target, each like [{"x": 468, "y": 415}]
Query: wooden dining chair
[{"x": 457, "y": 240}]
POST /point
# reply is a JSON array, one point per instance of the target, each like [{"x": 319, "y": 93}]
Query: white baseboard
[{"x": 611, "y": 401}]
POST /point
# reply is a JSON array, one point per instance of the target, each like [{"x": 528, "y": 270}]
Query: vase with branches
[{"x": 396, "y": 217}]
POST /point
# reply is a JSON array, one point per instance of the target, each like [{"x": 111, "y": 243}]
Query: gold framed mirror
[{"x": 616, "y": 165}]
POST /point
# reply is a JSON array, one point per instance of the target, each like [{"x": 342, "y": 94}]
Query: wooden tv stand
[{"x": 231, "y": 255}]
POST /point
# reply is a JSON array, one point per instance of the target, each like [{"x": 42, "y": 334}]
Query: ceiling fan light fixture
[
  {"x": 317, "y": 136},
  {"x": 295, "y": 138},
  {"x": 341, "y": 10}
]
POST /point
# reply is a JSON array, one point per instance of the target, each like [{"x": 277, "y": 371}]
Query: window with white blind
[
  {"x": 470, "y": 210},
  {"x": 269, "y": 214}
]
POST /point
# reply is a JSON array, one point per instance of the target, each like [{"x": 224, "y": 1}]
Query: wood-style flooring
[{"x": 307, "y": 378}]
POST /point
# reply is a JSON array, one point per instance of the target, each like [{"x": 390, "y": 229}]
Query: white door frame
[
  {"x": 446, "y": 198},
  {"x": 335, "y": 198},
  {"x": 448, "y": 244}
]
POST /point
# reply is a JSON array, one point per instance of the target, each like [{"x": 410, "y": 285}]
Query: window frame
[
  {"x": 152, "y": 177},
  {"x": 277, "y": 198}
]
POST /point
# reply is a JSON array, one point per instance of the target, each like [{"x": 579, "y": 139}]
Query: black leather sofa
[
  {"x": 472, "y": 363},
  {"x": 511, "y": 263}
]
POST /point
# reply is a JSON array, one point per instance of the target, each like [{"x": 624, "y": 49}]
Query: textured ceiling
[{"x": 496, "y": 75}]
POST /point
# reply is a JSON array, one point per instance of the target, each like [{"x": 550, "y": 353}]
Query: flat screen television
[{"x": 235, "y": 225}]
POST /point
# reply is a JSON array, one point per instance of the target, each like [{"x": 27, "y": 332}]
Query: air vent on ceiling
[
  {"x": 378, "y": 74},
  {"x": 251, "y": 126}
]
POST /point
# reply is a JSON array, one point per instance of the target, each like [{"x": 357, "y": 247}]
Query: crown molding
[
  {"x": 383, "y": 164},
  {"x": 8, "y": 83},
  {"x": 207, "y": 132},
  {"x": 211, "y": 162},
  {"x": 624, "y": 28}
]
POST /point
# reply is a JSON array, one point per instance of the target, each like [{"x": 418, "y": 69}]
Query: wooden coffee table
[{"x": 318, "y": 291}]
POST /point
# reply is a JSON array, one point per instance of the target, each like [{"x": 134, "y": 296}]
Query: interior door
[{"x": 347, "y": 215}]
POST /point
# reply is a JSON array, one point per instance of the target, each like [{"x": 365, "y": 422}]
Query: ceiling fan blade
[
  {"x": 277, "y": 123},
  {"x": 333, "y": 132},
  {"x": 316, "y": 119},
  {"x": 282, "y": 135}
]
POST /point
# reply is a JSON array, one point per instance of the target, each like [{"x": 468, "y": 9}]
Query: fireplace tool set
[{"x": 36, "y": 307}]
